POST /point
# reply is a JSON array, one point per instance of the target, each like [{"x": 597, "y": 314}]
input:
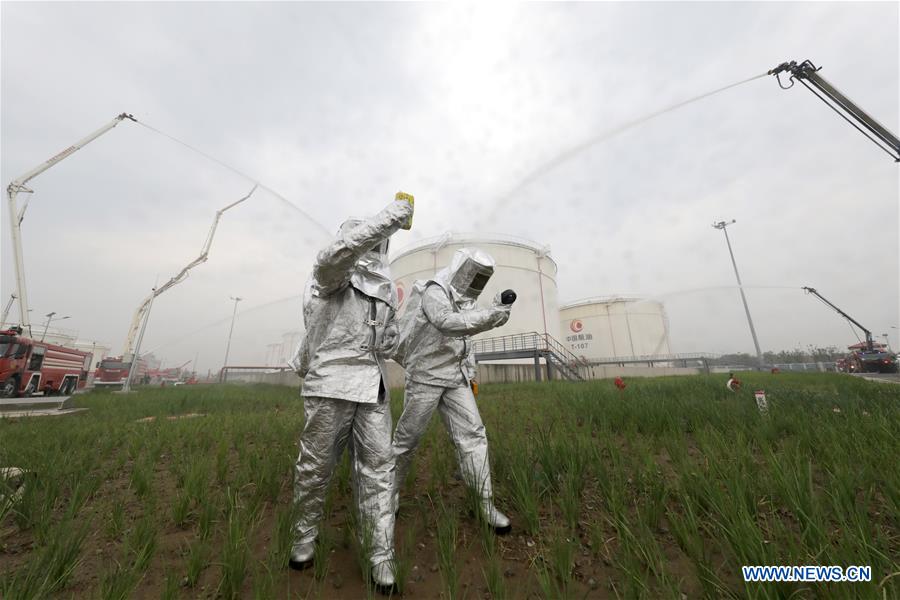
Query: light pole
[
  {"x": 722, "y": 225},
  {"x": 230, "y": 331},
  {"x": 50, "y": 318}
]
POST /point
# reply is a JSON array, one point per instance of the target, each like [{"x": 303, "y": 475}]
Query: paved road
[{"x": 881, "y": 377}]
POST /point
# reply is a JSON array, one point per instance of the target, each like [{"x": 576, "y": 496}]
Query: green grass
[
  {"x": 197, "y": 560},
  {"x": 447, "y": 540},
  {"x": 52, "y": 565},
  {"x": 667, "y": 488}
]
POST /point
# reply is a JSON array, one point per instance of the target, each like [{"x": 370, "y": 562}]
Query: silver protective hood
[
  {"x": 468, "y": 273},
  {"x": 371, "y": 273}
]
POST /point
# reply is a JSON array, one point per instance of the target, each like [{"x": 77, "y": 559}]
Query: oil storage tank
[
  {"x": 605, "y": 327},
  {"x": 521, "y": 265}
]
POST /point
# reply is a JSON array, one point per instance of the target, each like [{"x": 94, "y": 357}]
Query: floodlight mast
[
  {"x": 841, "y": 104},
  {"x": 16, "y": 215},
  {"x": 127, "y": 352},
  {"x": 722, "y": 225},
  {"x": 230, "y": 331}
]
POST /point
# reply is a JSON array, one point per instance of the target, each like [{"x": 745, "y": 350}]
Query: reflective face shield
[{"x": 470, "y": 271}]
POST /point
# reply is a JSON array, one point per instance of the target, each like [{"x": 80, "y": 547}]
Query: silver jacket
[
  {"x": 434, "y": 345},
  {"x": 348, "y": 303}
]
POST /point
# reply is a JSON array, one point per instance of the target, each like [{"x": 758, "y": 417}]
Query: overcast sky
[{"x": 338, "y": 106}]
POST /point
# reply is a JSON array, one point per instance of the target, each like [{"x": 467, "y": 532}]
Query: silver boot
[
  {"x": 302, "y": 555},
  {"x": 494, "y": 517},
  {"x": 383, "y": 577}
]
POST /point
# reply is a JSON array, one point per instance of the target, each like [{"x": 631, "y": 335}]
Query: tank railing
[
  {"x": 539, "y": 343},
  {"x": 569, "y": 371},
  {"x": 509, "y": 343},
  {"x": 655, "y": 358},
  {"x": 526, "y": 341},
  {"x": 558, "y": 348},
  {"x": 565, "y": 360},
  {"x": 251, "y": 373}
]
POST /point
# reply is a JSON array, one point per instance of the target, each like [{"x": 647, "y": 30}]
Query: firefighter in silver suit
[
  {"x": 435, "y": 349},
  {"x": 348, "y": 305}
]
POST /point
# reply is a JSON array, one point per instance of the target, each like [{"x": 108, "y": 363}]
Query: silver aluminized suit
[
  {"x": 349, "y": 303},
  {"x": 435, "y": 349}
]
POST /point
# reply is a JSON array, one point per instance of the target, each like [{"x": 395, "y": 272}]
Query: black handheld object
[{"x": 507, "y": 297}]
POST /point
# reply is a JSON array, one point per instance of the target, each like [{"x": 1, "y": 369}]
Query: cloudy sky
[{"x": 337, "y": 106}]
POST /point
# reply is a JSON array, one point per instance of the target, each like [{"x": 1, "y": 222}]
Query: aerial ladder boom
[
  {"x": 870, "y": 345},
  {"x": 808, "y": 74},
  {"x": 6, "y": 308},
  {"x": 128, "y": 351},
  {"x": 16, "y": 215}
]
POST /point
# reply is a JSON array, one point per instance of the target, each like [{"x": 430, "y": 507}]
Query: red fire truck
[
  {"x": 170, "y": 376},
  {"x": 29, "y": 367},
  {"x": 113, "y": 371}
]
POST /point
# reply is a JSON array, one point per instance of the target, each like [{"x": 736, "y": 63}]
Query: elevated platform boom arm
[
  {"x": 15, "y": 215},
  {"x": 861, "y": 120},
  {"x": 181, "y": 276},
  {"x": 869, "y": 343}
]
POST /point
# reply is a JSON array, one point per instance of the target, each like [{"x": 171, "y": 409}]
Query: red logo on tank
[
  {"x": 576, "y": 325},
  {"x": 401, "y": 294}
]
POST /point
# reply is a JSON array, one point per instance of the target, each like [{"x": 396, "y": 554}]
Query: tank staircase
[{"x": 535, "y": 346}]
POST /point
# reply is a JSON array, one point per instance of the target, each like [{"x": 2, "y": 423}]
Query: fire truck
[
  {"x": 875, "y": 359},
  {"x": 170, "y": 376},
  {"x": 864, "y": 357},
  {"x": 29, "y": 367},
  {"x": 113, "y": 371}
]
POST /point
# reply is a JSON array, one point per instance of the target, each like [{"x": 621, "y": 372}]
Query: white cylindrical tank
[
  {"x": 602, "y": 328},
  {"x": 521, "y": 265}
]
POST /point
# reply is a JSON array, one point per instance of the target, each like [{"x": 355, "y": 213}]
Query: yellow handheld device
[{"x": 412, "y": 202}]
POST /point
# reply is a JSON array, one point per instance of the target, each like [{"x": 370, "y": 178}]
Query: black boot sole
[
  {"x": 386, "y": 590},
  {"x": 300, "y": 566}
]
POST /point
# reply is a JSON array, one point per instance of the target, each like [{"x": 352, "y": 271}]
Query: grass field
[{"x": 662, "y": 490}]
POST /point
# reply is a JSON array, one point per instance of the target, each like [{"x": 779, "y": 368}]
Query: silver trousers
[
  {"x": 463, "y": 422},
  {"x": 328, "y": 429}
]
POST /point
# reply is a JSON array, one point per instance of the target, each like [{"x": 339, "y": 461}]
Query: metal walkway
[
  {"x": 36, "y": 406},
  {"x": 535, "y": 346}
]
